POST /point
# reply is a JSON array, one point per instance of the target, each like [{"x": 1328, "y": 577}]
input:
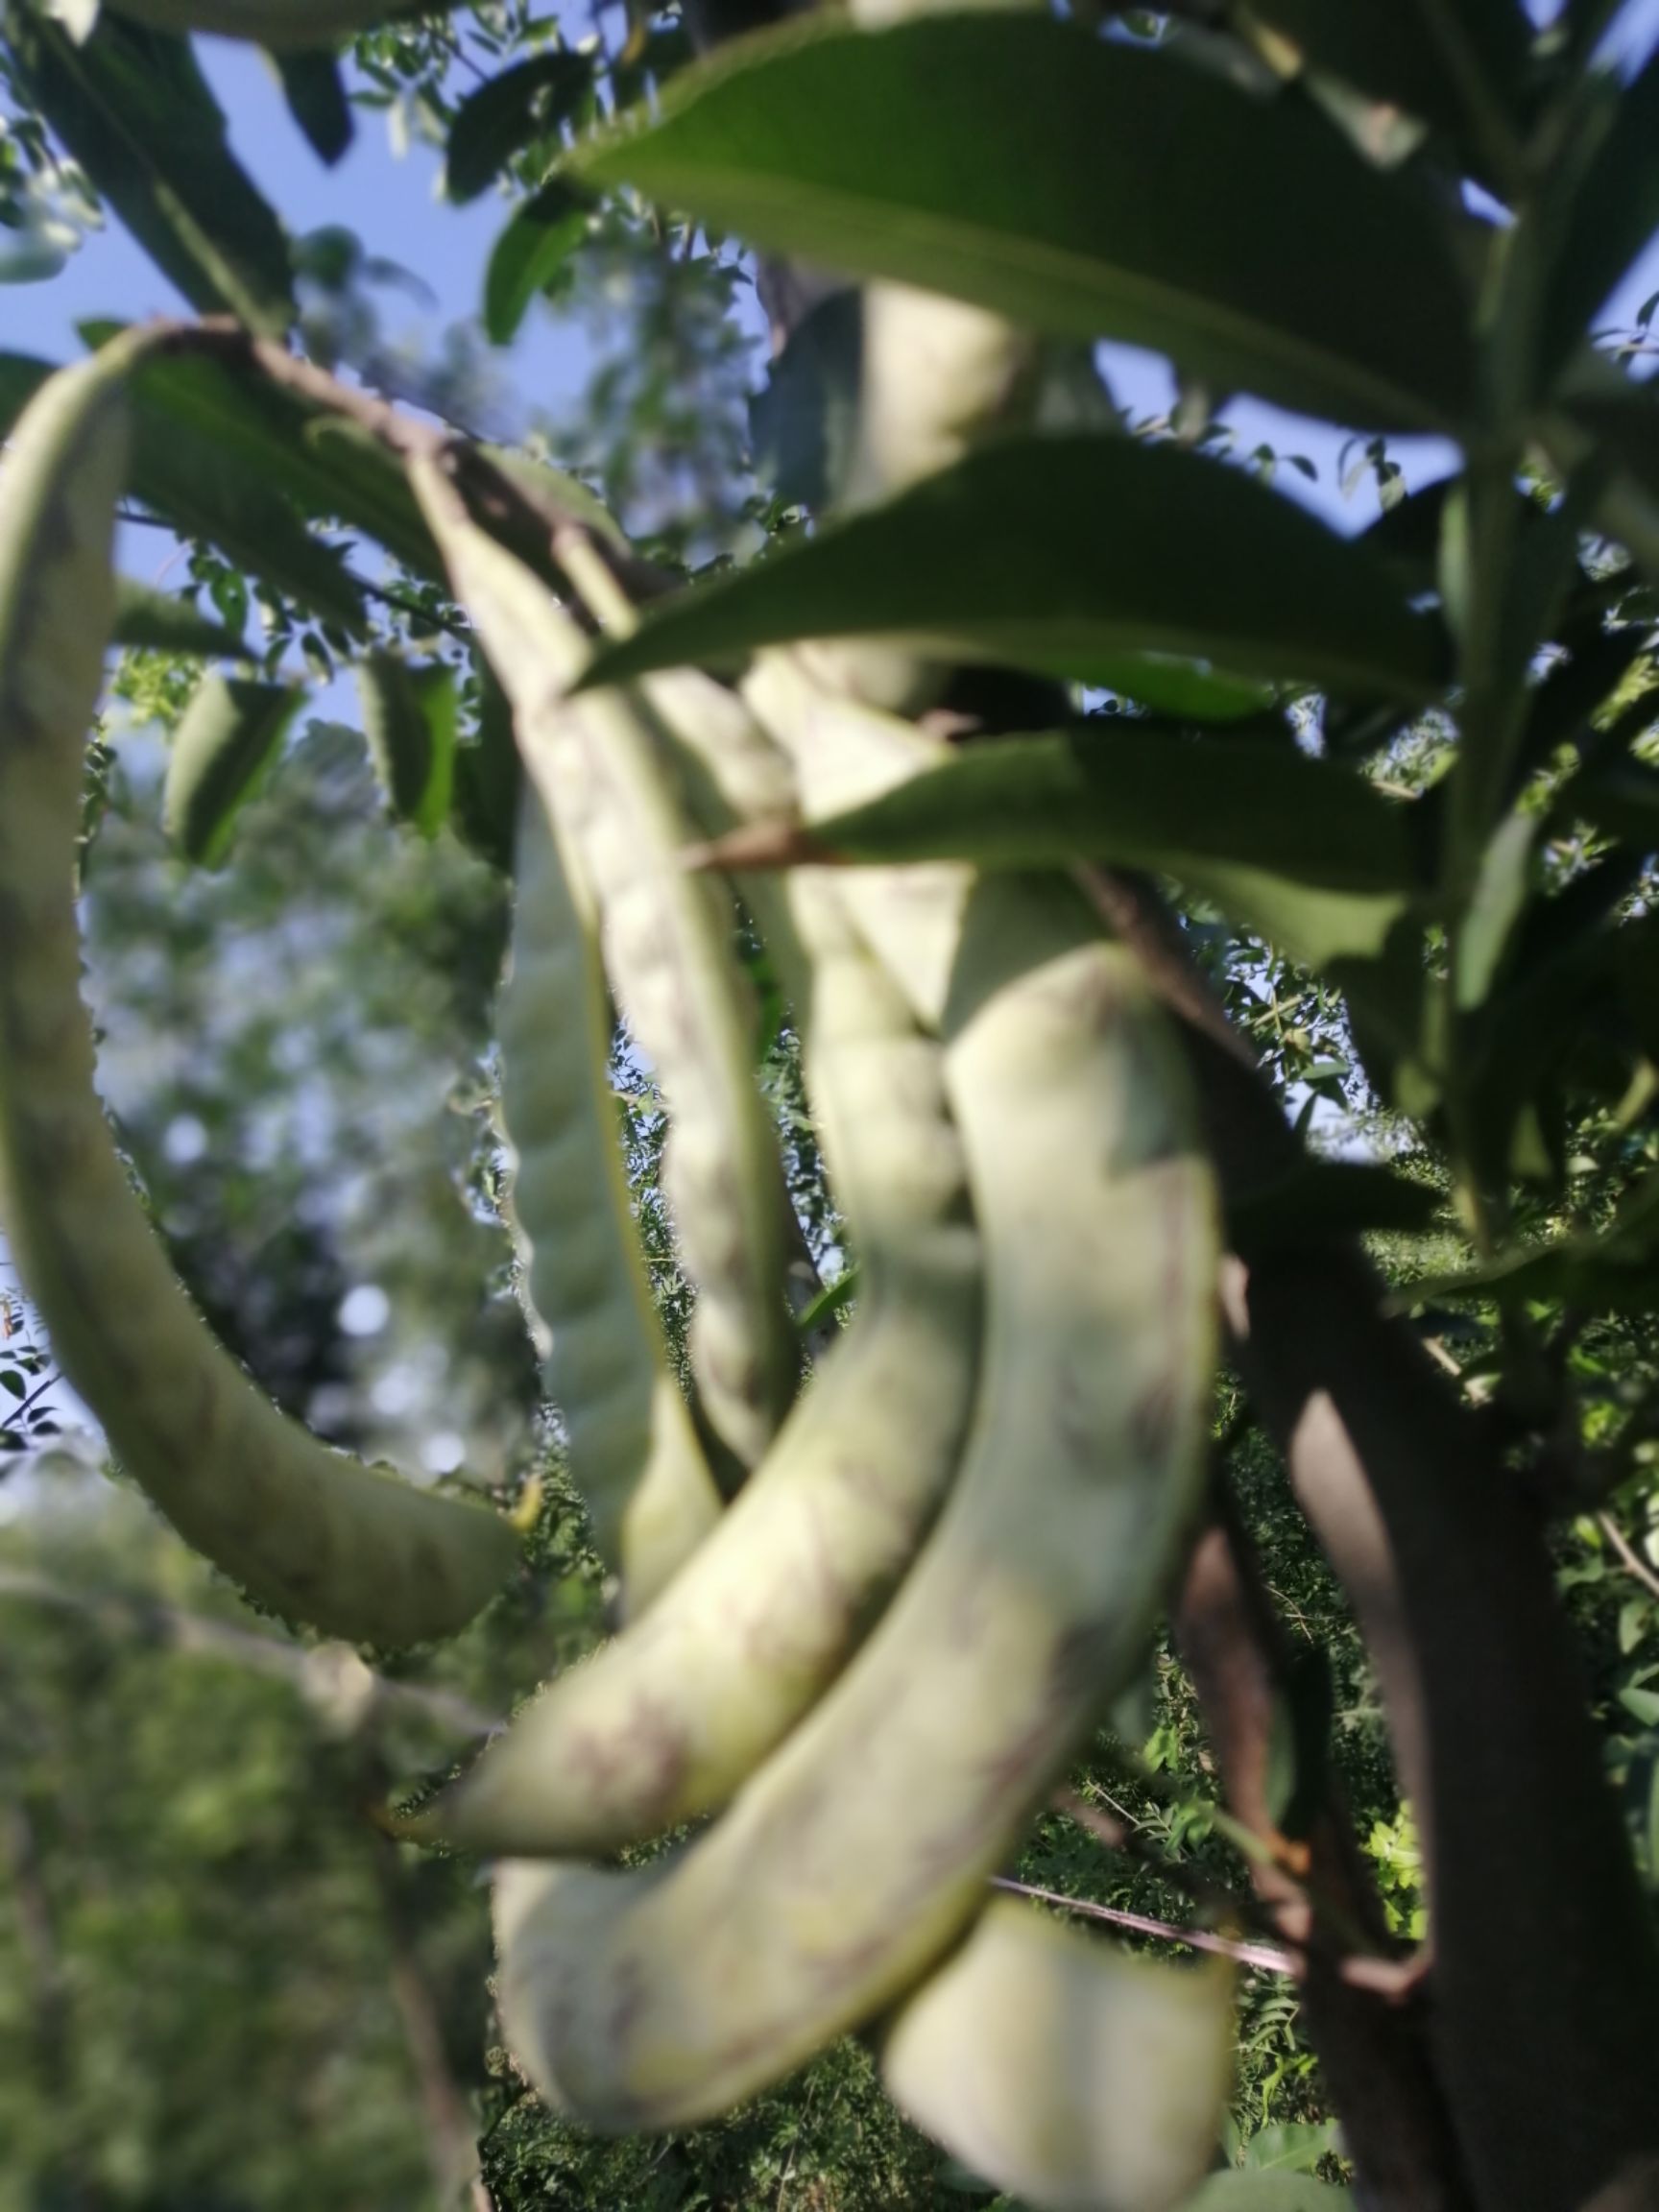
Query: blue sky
[{"x": 390, "y": 199}]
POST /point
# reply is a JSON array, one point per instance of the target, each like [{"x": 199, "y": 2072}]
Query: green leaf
[
  {"x": 228, "y": 736},
  {"x": 409, "y": 719},
  {"x": 1307, "y": 853},
  {"x": 1642, "y": 1705},
  {"x": 1263, "y": 2192},
  {"x": 529, "y": 254},
  {"x": 1615, "y": 213},
  {"x": 135, "y": 111},
  {"x": 1288, "y": 2146},
  {"x": 1496, "y": 907},
  {"x": 1074, "y": 184},
  {"x": 315, "y": 95},
  {"x": 514, "y": 108},
  {"x": 488, "y": 775},
  {"x": 1063, "y": 555},
  {"x": 169, "y": 623},
  {"x": 1617, "y": 1272}
]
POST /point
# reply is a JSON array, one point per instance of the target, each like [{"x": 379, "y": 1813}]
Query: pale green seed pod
[
  {"x": 667, "y": 939},
  {"x": 632, "y": 1453},
  {"x": 845, "y": 1869},
  {"x": 667, "y": 1721},
  {"x": 308, "y": 1531},
  {"x": 1068, "y": 2070},
  {"x": 843, "y": 754}
]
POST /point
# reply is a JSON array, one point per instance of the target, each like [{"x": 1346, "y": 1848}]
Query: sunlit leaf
[
  {"x": 230, "y": 733},
  {"x": 1074, "y": 184}
]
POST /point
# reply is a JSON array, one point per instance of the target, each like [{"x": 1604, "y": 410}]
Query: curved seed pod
[
  {"x": 667, "y": 941},
  {"x": 729, "y": 769},
  {"x": 854, "y": 1858},
  {"x": 1070, "y": 2072},
  {"x": 633, "y": 1452},
  {"x": 313, "y": 1534},
  {"x": 845, "y": 753},
  {"x": 672, "y": 1718}
]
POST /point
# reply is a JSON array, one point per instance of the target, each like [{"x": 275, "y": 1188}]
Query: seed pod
[
  {"x": 668, "y": 1721},
  {"x": 308, "y": 1531},
  {"x": 667, "y": 941},
  {"x": 634, "y": 1456},
  {"x": 845, "y": 753},
  {"x": 1067, "y": 2071},
  {"x": 848, "y": 1865}
]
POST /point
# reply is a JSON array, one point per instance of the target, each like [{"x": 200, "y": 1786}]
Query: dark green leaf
[
  {"x": 1304, "y": 851},
  {"x": 514, "y": 108},
  {"x": 1627, "y": 422},
  {"x": 487, "y": 780},
  {"x": 229, "y": 735},
  {"x": 135, "y": 111},
  {"x": 1615, "y": 213},
  {"x": 529, "y": 254},
  {"x": 315, "y": 95},
  {"x": 1495, "y": 908},
  {"x": 1072, "y": 183},
  {"x": 409, "y": 720},
  {"x": 1621, "y": 798},
  {"x": 169, "y": 623},
  {"x": 1063, "y": 555}
]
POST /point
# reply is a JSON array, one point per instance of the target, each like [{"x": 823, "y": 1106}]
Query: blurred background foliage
[{"x": 222, "y": 1988}]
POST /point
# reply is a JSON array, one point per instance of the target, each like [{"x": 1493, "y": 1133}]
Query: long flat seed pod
[
  {"x": 1067, "y": 2070},
  {"x": 308, "y": 1531},
  {"x": 667, "y": 1721},
  {"x": 634, "y": 1456},
  {"x": 652, "y": 1999},
  {"x": 667, "y": 942},
  {"x": 844, "y": 752}
]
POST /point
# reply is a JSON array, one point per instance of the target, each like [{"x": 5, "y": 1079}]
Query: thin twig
[
  {"x": 1267, "y": 1956},
  {"x": 1629, "y": 1558}
]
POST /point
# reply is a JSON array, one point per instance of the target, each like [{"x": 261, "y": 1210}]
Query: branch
[
  {"x": 1629, "y": 1558},
  {"x": 1264, "y": 1956}
]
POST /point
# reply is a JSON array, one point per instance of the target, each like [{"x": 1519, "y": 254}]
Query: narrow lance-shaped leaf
[
  {"x": 409, "y": 718},
  {"x": 315, "y": 95},
  {"x": 134, "y": 109},
  {"x": 1308, "y": 853},
  {"x": 529, "y": 254},
  {"x": 516, "y": 107},
  {"x": 228, "y": 736},
  {"x": 1064, "y": 554},
  {"x": 1078, "y": 185}
]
